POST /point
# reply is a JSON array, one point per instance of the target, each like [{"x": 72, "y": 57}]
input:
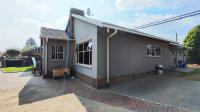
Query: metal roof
[{"x": 112, "y": 26}]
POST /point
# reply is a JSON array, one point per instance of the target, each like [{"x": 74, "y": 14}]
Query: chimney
[
  {"x": 76, "y": 11},
  {"x": 70, "y": 28}
]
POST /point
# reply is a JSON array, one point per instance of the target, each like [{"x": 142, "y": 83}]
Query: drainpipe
[
  {"x": 108, "y": 55},
  {"x": 43, "y": 58},
  {"x": 46, "y": 59},
  {"x": 176, "y": 50},
  {"x": 68, "y": 48}
]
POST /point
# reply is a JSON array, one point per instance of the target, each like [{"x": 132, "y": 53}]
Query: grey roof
[
  {"x": 109, "y": 25},
  {"x": 53, "y": 33}
]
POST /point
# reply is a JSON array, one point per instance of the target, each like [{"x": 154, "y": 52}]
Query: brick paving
[
  {"x": 63, "y": 87},
  {"x": 115, "y": 99}
]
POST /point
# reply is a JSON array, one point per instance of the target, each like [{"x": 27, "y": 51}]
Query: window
[
  {"x": 180, "y": 52},
  {"x": 57, "y": 52},
  {"x": 154, "y": 51},
  {"x": 84, "y": 53}
]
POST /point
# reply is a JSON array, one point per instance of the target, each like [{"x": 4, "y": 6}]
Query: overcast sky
[{"x": 21, "y": 19}]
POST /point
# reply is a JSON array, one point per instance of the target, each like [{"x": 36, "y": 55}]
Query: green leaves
[
  {"x": 193, "y": 40},
  {"x": 30, "y": 44},
  {"x": 12, "y": 52}
]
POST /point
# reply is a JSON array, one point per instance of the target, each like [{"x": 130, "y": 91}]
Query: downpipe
[{"x": 108, "y": 56}]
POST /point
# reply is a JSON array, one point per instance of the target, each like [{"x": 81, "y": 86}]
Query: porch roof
[{"x": 53, "y": 34}]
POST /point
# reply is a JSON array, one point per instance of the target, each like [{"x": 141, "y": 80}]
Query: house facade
[
  {"x": 55, "y": 44},
  {"x": 101, "y": 53}
]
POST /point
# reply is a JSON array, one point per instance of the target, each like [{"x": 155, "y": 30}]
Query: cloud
[
  {"x": 140, "y": 5},
  {"x": 144, "y": 18},
  {"x": 40, "y": 7},
  {"x": 23, "y": 18},
  {"x": 25, "y": 21},
  {"x": 24, "y": 27},
  {"x": 21, "y": 29},
  {"x": 31, "y": 27},
  {"x": 135, "y": 4},
  {"x": 167, "y": 30},
  {"x": 62, "y": 22},
  {"x": 34, "y": 6}
]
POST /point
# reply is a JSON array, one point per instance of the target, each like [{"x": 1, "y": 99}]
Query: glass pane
[
  {"x": 56, "y": 52},
  {"x": 86, "y": 58},
  {"x": 58, "y": 55},
  {"x": 149, "y": 50},
  {"x": 158, "y": 51},
  {"x": 61, "y": 48},
  {"x": 58, "y": 48},
  {"x": 77, "y": 57},
  {"x": 80, "y": 47},
  {"x": 85, "y": 46},
  {"x": 53, "y": 52},
  {"x": 76, "y": 48},
  {"x": 61, "y": 55},
  {"x": 180, "y": 52},
  {"x": 90, "y": 57},
  {"x": 81, "y": 58},
  {"x": 153, "y": 51}
]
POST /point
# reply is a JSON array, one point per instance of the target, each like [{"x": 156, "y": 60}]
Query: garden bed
[
  {"x": 16, "y": 69},
  {"x": 194, "y": 75}
]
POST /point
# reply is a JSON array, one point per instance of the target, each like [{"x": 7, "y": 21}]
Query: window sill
[
  {"x": 57, "y": 59},
  {"x": 84, "y": 65},
  {"x": 155, "y": 56}
]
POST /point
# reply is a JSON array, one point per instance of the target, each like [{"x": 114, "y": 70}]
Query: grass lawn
[
  {"x": 194, "y": 75},
  {"x": 17, "y": 69}
]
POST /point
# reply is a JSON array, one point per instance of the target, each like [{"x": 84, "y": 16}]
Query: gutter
[{"x": 108, "y": 55}]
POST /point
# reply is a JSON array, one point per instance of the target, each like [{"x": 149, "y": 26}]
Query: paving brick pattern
[
  {"x": 61, "y": 87},
  {"x": 115, "y": 99}
]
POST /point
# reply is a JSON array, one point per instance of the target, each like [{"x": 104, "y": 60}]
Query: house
[
  {"x": 55, "y": 49},
  {"x": 101, "y": 53}
]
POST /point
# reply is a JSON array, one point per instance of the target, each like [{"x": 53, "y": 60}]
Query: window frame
[
  {"x": 57, "y": 52},
  {"x": 153, "y": 45},
  {"x": 180, "y": 52},
  {"x": 77, "y": 52}
]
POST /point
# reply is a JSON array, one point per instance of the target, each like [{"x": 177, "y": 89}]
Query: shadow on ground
[
  {"x": 169, "y": 89},
  {"x": 64, "y": 94},
  {"x": 26, "y": 74},
  {"x": 38, "y": 89}
]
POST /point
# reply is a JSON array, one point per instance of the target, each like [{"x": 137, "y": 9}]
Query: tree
[
  {"x": 12, "y": 52},
  {"x": 192, "y": 43},
  {"x": 30, "y": 44}
]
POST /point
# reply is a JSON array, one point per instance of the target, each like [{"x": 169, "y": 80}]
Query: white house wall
[{"x": 84, "y": 31}]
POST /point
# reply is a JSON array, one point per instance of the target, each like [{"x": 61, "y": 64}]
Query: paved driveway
[
  {"x": 164, "y": 89},
  {"x": 20, "y": 92}
]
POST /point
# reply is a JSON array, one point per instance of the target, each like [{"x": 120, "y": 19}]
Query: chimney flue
[{"x": 76, "y": 11}]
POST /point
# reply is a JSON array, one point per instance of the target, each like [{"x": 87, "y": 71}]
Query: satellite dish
[{"x": 89, "y": 12}]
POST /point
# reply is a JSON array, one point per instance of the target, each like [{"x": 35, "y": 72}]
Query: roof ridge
[
  {"x": 43, "y": 27},
  {"x": 122, "y": 28}
]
